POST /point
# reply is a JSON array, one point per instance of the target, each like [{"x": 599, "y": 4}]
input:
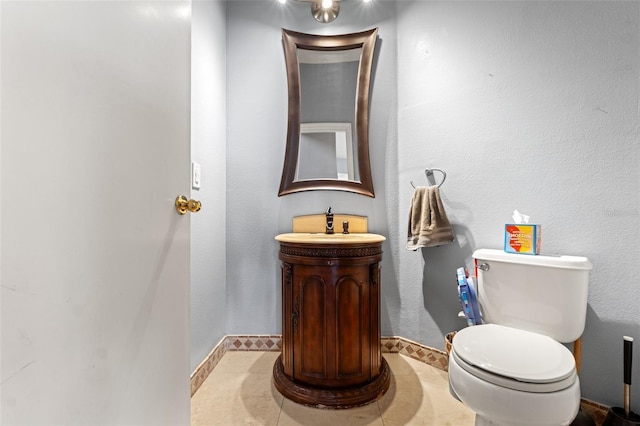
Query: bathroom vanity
[{"x": 331, "y": 354}]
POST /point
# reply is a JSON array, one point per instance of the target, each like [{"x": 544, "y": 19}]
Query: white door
[{"x": 95, "y": 260}]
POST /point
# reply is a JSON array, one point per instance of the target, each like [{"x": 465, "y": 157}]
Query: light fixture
[{"x": 324, "y": 11}]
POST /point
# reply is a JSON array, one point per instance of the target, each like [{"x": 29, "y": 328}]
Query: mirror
[{"x": 328, "y": 129}]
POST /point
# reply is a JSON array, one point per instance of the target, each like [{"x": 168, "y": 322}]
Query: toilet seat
[
  {"x": 497, "y": 405},
  {"x": 514, "y": 359}
]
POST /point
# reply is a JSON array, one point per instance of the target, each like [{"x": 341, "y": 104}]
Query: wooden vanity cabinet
[{"x": 331, "y": 325}]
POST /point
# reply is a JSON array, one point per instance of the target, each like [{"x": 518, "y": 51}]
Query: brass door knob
[{"x": 183, "y": 205}]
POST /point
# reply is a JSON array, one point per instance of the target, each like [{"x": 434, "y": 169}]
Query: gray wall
[
  {"x": 526, "y": 105},
  {"x": 256, "y": 130},
  {"x": 208, "y": 148},
  {"x": 530, "y": 106}
]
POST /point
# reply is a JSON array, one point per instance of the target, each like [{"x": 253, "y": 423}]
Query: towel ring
[{"x": 429, "y": 172}]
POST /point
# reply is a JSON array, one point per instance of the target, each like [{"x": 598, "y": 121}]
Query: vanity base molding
[{"x": 335, "y": 398}]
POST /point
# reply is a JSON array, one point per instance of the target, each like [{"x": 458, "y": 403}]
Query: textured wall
[
  {"x": 208, "y": 148},
  {"x": 526, "y": 105},
  {"x": 256, "y": 128},
  {"x": 529, "y": 106}
]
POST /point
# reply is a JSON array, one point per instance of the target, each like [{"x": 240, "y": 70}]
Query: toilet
[{"x": 513, "y": 368}]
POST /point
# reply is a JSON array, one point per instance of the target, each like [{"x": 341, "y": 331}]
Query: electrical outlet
[{"x": 195, "y": 175}]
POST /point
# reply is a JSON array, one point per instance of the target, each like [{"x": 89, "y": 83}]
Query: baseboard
[
  {"x": 232, "y": 343},
  {"x": 597, "y": 411},
  {"x": 434, "y": 357},
  {"x": 390, "y": 344}
]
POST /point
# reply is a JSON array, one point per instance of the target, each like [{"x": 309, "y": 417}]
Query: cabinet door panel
[
  {"x": 310, "y": 353},
  {"x": 352, "y": 328}
]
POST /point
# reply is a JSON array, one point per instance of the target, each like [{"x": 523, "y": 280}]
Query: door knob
[{"x": 183, "y": 205}]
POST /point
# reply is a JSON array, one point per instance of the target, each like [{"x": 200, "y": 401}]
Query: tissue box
[{"x": 520, "y": 238}]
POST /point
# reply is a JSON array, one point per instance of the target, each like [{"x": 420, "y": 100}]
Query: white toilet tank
[{"x": 542, "y": 294}]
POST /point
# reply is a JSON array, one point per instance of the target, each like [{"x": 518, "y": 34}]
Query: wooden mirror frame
[{"x": 292, "y": 41}]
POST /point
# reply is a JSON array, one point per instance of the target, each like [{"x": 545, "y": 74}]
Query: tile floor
[{"x": 239, "y": 391}]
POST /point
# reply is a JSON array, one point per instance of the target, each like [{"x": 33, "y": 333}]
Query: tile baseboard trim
[
  {"x": 207, "y": 365},
  {"x": 254, "y": 342},
  {"x": 391, "y": 344},
  {"x": 433, "y": 357},
  {"x": 273, "y": 342},
  {"x": 597, "y": 411}
]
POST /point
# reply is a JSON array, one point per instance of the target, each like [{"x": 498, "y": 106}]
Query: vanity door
[{"x": 331, "y": 325}]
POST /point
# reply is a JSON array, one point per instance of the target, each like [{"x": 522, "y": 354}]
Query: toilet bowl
[
  {"x": 513, "y": 369},
  {"x": 513, "y": 377}
]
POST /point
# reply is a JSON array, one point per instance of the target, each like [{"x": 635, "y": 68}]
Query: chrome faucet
[{"x": 329, "y": 227}]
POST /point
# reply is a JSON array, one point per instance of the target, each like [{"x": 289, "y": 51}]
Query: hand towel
[{"x": 428, "y": 222}]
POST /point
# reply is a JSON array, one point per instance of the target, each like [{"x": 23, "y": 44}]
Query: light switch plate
[{"x": 195, "y": 175}]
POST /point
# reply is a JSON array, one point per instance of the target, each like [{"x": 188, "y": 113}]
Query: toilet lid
[{"x": 490, "y": 350}]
